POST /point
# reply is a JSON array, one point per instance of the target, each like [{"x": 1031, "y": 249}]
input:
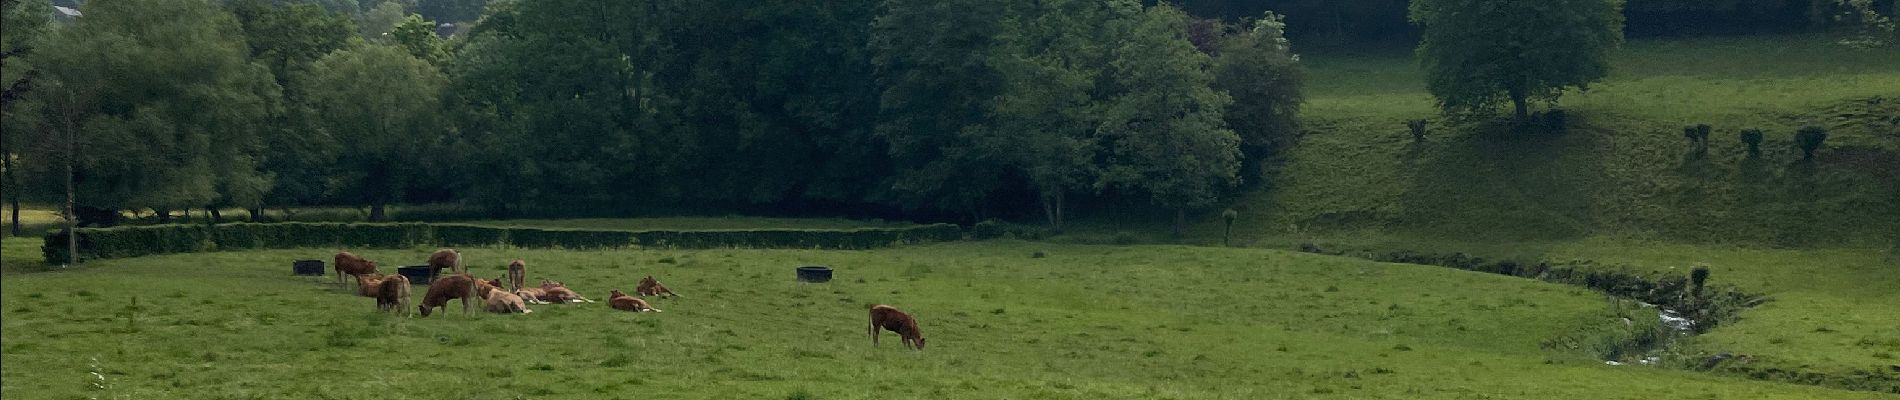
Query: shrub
[
  {"x": 988, "y": 229},
  {"x": 1418, "y": 129},
  {"x": 1698, "y": 136},
  {"x": 1229, "y": 216},
  {"x": 1809, "y": 139},
  {"x": 1698, "y": 277},
  {"x": 1752, "y": 138}
]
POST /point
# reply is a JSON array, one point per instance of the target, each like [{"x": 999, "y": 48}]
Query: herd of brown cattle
[{"x": 392, "y": 293}]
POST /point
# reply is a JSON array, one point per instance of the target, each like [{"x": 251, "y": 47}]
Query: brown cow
[
  {"x": 458, "y": 286},
  {"x": 621, "y": 301},
  {"x": 500, "y": 301},
  {"x": 887, "y": 317},
  {"x": 370, "y": 285},
  {"x": 533, "y": 295},
  {"x": 445, "y": 258},
  {"x": 517, "y": 275},
  {"x": 651, "y": 287},
  {"x": 353, "y": 265},
  {"x": 394, "y": 294},
  {"x": 559, "y": 293}
]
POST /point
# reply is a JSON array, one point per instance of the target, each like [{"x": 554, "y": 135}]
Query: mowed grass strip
[{"x": 1085, "y": 322}]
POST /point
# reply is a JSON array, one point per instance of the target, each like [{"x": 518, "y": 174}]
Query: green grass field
[{"x": 1086, "y": 322}]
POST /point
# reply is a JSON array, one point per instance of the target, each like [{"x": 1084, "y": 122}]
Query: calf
[
  {"x": 651, "y": 287},
  {"x": 445, "y": 258},
  {"x": 458, "y": 286},
  {"x": 887, "y": 317},
  {"x": 500, "y": 301},
  {"x": 533, "y": 295},
  {"x": 621, "y": 301},
  {"x": 371, "y": 285},
  {"x": 353, "y": 265},
  {"x": 517, "y": 274},
  {"x": 393, "y": 294}
]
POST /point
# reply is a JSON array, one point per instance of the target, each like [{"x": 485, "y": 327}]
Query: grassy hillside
[
  {"x": 1621, "y": 186},
  {"x": 1623, "y": 168},
  {"x": 1085, "y": 322}
]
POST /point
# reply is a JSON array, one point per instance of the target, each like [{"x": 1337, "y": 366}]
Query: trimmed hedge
[{"x": 135, "y": 241}]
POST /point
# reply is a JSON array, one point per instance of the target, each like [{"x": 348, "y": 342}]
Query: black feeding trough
[
  {"x": 417, "y": 274},
  {"x": 307, "y": 267},
  {"x": 814, "y": 274}
]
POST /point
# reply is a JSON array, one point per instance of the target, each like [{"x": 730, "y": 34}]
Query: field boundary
[{"x": 137, "y": 241}]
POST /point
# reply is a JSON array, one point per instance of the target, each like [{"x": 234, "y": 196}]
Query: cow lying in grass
[
  {"x": 887, "y": 317},
  {"x": 499, "y": 301},
  {"x": 445, "y": 259},
  {"x": 621, "y": 301},
  {"x": 651, "y": 287},
  {"x": 352, "y": 265},
  {"x": 458, "y": 286},
  {"x": 558, "y": 293}
]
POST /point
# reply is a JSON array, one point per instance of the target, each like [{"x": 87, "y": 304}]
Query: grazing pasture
[{"x": 1088, "y": 322}]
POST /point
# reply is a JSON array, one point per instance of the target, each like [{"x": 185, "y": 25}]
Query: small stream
[{"x": 1679, "y": 327}]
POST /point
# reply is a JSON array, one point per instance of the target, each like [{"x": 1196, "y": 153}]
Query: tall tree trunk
[
  {"x": 257, "y": 214},
  {"x": 72, "y": 202},
  {"x": 1052, "y": 208},
  {"x": 1062, "y": 199},
  {"x": 216, "y": 217},
  {"x": 1522, "y": 102},
  {"x": 376, "y": 213},
  {"x": 12, "y": 187}
]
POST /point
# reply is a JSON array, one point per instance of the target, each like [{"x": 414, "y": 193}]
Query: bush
[
  {"x": 986, "y": 230},
  {"x": 135, "y": 241},
  {"x": 1698, "y": 136},
  {"x": 1698, "y": 277},
  {"x": 1418, "y": 129},
  {"x": 1752, "y": 138},
  {"x": 1809, "y": 139}
]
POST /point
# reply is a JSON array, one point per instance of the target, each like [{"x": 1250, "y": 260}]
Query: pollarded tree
[
  {"x": 1480, "y": 53},
  {"x": 1163, "y": 127},
  {"x": 383, "y": 106}
]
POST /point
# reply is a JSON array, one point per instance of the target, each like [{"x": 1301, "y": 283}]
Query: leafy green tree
[
  {"x": 1052, "y": 61},
  {"x": 1256, "y": 66},
  {"x": 1163, "y": 124},
  {"x": 383, "y": 106},
  {"x": 936, "y": 91},
  {"x": 418, "y": 36},
  {"x": 1480, "y": 53},
  {"x": 380, "y": 19},
  {"x": 157, "y": 105},
  {"x": 26, "y": 22},
  {"x": 289, "y": 38}
]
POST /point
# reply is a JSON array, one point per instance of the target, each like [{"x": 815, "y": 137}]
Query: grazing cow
[
  {"x": 651, "y": 287},
  {"x": 517, "y": 275},
  {"x": 621, "y": 301},
  {"x": 445, "y": 258},
  {"x": 353, "y": 265},
  {"x": 559, "y": 293},
  {"x": 393, "y": 295},
  {"x": 458, "y": 286},
  {"x": 500, "y": 301},
  {"x": 887, "y": 317}
]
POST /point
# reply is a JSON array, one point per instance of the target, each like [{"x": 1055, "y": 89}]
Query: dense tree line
[{"x": 962, "y": 108}]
